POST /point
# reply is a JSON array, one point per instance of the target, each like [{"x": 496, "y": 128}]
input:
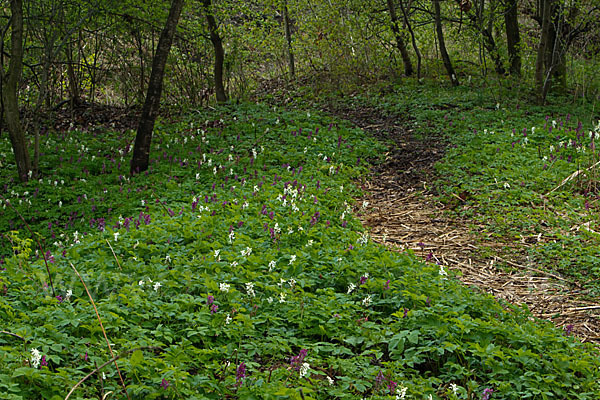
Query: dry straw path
[{"x": 403, "y": 214}]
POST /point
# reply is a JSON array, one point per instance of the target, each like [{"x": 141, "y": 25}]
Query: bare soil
[{"x": 404, "y": 213}]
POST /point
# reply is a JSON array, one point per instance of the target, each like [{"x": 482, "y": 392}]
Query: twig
[
  {"x": 114, "y": 359},
  {"x": 102, "y": 327},
  {"x": 585, "y": 308},
  {"x": 573, "y": 175},
  {"x": 111, "y": 249},
  {"x": 36, "y": 239},
  {"x": 14, "y": 335}
]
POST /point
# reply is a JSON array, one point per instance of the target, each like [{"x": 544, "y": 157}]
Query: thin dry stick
[
  {"x": 573, "y": 175},
  {"x": 114, "y": 359},
  {"x": 14, "y": 335},
  {"x": 36, "y": 239},
  {"x": 111, "y": 249},
  {"x": 101, "y": 327}
]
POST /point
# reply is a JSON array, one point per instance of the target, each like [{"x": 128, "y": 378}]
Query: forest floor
[{"x": 404, "y": 213}]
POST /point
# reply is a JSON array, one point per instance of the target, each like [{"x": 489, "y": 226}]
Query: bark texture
[
  {"x": 442, "y": 44},
  {"x": 408, "y": 67},
  {"x": 143, "y": 138},
  {"x": 217, "y": 43},
  {"x": 10, "y": 83},
  {"x": 513, "y": 37}
]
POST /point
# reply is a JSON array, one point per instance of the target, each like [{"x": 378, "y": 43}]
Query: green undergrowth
[{"x": 240, "y": 271}]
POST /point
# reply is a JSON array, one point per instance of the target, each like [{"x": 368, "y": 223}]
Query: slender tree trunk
[
  {"x": 412, "y": 37},
  {"x": 542, "y": 70},
  {"x": 513, "y": 37},
  {"x": 442, "y": 44},
  {"x": 288, "y": 38},
  {"x": 408, "y": 67},
  {"x": 143, "y": 138},
  {"x": 10, "y": 83},
  {"x": 219, "y": 52}
]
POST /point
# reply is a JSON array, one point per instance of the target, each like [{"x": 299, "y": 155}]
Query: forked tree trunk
[
  {"x": 217, "y": 43},
  {"x": 10, "y": 83},
  {"x": 143, "y": 138},
  {"x": 408, "y": 67},
  {"x": 513, "y": 37},
  {"x": 442, "y": 44}
]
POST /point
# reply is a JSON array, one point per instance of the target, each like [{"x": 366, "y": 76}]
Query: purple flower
[
  {"x": 59, "y": 298},
  {"x": 296, "y": 361},
  {"x": 386, "y": 286},
  {"x": 43, "y": 362},
  {"x": 214, "y": 308},
  {"x": 363, "y": 280},
  {"x": 164, "y": 384},
  {"x": 49, "y": 257},
  {"x": 240, "y": 373},
  {"x": 210, "y": 299},
  {"x": 379, "y": 379},
  {"x": 487, "y": 393},
  {"x": 392, "y": 386},
  {"x": 569, "y": 329}
]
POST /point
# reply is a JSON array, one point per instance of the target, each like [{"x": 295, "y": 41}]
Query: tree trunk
[
  {"x": 408, "y": 67},
  {"x": 412, "y": 37},
  {"x": 442, "y": 44},
  {"x": 288, "y": 38},
  {"x": 513, "y": 37},
  {"x": 219, "y": 52},
  {"x": 10, "y": 83},
  {"x": 143, "y": 138},
  {"x": 542, "y": 69}
]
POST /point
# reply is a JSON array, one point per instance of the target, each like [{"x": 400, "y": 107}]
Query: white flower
[
  {"x": 271, "y": 265},
  {"x": 36, "y": 357},
  {"x": 234, "y": 264},
  {"x": 331, "y": 382},
  {"x": 103, "y": 376},
  {"x": 401, "y": 392},
  {"x": 168, "y": 258},
  {"x": 224, "y": 287},
  {"x": 351, "y": 287},
  {"x": 68, "y": 295},
  {"x": 551, "y": 148},
  {"x": 443, "y": 271},
  {"x": 143, "y": 202},
  {"x": 141, "y": 283},
  {"x": 227, "y": 319},
  {"x": 157, "y": 286},
  {"x": 217, "y": 254},
  {"x": 310, "y": 243},
  {"x": 59, "y": 204},
  {"x": 245, "y": 205},
  {"x": 365, "y": 204},
  {"x": 292, "y": 259},
  {"x": 276, "y": 228},
  {"x": 282, "y": 296},
  {"x": 366, "y": 301},
  {"x": 231, "y": 236},
  {"x": 292, "y": 282},
  {"x": 506, "y": 185},
  {"x": 246, "y": 252},
  {"x": 250, "y": 289},
  {"x": 454, "y": 388},
  {"x": 116, "y": 235},
  {"x": 304, "y": 369}
]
